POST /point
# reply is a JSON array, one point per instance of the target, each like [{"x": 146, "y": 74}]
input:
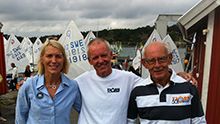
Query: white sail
[
  {"x": 136, "y": 63},
  {"x": 153, "y": 37},
  {"x": 176, "y": 61},
  {"x": 74, "y": 44},
  {"x": 36, "y": 50},
  {"x": 27, "y": 45},
  {"x": 90, "y": 36},
  {"x": 15, "y": 54},
  {"x": 5, "y": 45}
]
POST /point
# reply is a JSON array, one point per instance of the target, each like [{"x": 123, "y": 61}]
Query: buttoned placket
[
  {"x": 160, "y": 89},
  {"x": 52, "y": 103}
]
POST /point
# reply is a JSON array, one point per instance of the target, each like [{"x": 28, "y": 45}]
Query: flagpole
[{"x": 190, "y": 61}]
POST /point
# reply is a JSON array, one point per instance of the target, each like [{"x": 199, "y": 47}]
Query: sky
[{"x": 45, "y": 17}]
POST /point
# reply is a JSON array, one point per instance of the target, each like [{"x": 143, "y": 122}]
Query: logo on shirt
[
  {"x": 113, "y": 90},
  {"x": 181, "y": 99}
]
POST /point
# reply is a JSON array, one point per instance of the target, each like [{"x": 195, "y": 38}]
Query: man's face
[
  {"x": 100, "y": 57},
  {"x": 157, "y": 60}
]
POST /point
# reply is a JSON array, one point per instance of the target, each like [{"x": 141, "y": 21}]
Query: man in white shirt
[
  {"x": 105, "y": 91},
  {"x": 14, "y": 77}
]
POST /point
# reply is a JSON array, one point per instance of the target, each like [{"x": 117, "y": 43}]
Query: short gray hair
[
  {"x": 98, "y": 40},
  {"x": 165, "y": 44}
]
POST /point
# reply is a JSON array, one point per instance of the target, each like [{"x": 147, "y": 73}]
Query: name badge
[{"x": 40, "y": 95}]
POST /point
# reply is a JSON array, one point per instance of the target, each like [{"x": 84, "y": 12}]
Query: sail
[
  {"x": 74, "y": 44},
  {"x": 90, "y": 36},
  {"x": 5, "y": 45},
  {"x": 136, "y": 63},
  {"x": 15, "y": 54},
  {"x": 27, "y": 45},
  {"x": 176, "y": 61},
  {"x": 153, "y": 37},
  {"x": 36, "y": 50}
]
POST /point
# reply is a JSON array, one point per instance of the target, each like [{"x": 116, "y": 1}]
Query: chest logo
[
  {"x": 113, "y": 90},
  {"x": 181, "y": 99}
]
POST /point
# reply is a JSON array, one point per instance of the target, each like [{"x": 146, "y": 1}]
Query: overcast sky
[{"x": 45, "y": 17}]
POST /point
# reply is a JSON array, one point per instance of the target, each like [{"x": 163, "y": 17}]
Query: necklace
[{"x": 53, "y": 86}]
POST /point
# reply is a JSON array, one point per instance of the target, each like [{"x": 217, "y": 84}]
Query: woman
[
  {"x": 27, "y": 72},
  {"x": 48, "y": 97}
]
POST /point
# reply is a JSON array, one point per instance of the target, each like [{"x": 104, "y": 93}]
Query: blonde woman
[{"x": 48, "y": 97}]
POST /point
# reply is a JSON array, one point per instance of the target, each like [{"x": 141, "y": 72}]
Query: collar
[
  {"x": 40, "y": 81},
  {"x": 112, "y": 74},
  {"x": 174, "y": 78}
]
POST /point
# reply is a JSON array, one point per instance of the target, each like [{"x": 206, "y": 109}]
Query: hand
[{"x": 188, "y": 77}]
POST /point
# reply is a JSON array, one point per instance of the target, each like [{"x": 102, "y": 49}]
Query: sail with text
[
  {"x": 75, "y": 47},
  {"x": 15, "y": 54},
  {"x": 36, "y": 50},
  {"x": 27, "y": 45},
  {"x": 176, "y": 60}
]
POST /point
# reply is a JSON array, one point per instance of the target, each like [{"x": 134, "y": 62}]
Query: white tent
[
  {"x": 74, "y": 44},
  {"x": 15, "y": 54}
]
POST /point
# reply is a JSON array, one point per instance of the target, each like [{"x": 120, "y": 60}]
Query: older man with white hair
[{"x": 164, "y": 97}]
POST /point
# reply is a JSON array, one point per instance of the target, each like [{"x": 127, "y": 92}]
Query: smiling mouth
[
  {"x": 158, "y": 71},
  {"x": 53, "y": 66},
  {"x": 102, "y": 65}
]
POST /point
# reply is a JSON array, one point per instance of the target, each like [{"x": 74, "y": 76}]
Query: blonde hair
[{"x": 55, "y": 44}]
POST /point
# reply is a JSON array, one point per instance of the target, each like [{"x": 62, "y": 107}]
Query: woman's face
[{"x": 52, "y": 60}]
